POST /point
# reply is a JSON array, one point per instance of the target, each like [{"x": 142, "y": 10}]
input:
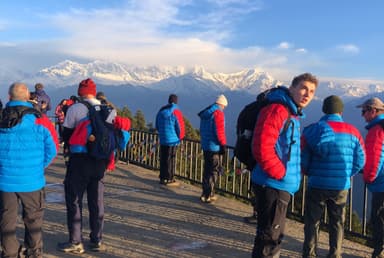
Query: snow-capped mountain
[
  {"x": 181, "y": 80},
  {"x": 163, "y": 78}
]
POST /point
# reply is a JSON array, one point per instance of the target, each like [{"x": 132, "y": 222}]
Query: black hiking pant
[
  {"x": 167, "y": 162},
  {"x": 212, "y": 168},
  {"x": 272, "y": 207},
  {"x": 32, "y": 204},
  {"x": 85, "y": 174},
  {"x": 377, "y": 219}
]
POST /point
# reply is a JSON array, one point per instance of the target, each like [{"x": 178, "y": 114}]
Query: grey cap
[{"x": 375, "y": 103}]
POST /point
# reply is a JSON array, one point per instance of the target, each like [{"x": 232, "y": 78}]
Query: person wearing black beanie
[
  {"x": 333, "y": 105},
  {"x": 332, "y": 152},
  {"x": 170, "y": 126},
  {"x": 172, "y": 99}
]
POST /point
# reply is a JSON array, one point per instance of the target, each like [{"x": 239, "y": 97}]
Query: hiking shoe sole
[{"x": 68, "y": 247}]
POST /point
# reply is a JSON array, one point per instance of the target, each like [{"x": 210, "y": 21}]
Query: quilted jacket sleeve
[
  {"x": 374, "y": 149},
  {"x": 268, "y": 126},
  {"x": 219, "y": 121}
]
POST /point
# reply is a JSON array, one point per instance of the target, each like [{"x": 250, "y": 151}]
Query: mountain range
[{"x": 182, "y": 80}]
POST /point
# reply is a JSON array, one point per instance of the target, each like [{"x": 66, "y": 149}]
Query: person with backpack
[
  {"x": 28, "y": 145},
  {"x": 43, "y": 100},
  {"x": 90, "y": 131},
  {"x": 332, "y": 151},
  {"x": 373, "y": 173},
  {"x": 213, "y": 141},
  {"x": 171, "y": 129},
  {"x": 276, "y": 150}
]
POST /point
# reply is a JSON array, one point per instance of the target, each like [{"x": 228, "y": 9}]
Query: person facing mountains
[
  {"x": 213, "y": 141},
  {"x": 332, "y": 151},
  {"x": 170, "y": 125}
]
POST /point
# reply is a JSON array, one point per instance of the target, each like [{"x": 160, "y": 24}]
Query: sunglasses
[{"x": 363, "y": 111}]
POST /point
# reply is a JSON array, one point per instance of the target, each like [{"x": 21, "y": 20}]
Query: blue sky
[{"x": 332, "y": 39}]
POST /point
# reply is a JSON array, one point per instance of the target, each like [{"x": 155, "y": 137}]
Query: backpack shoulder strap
[
  {"x": 11, "y": 116},
  {"x": 86, "y": 103},
  {"x": 29, "y": 110}
]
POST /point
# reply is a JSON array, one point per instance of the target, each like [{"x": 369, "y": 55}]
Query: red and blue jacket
[
  {"x": 374, "y": 142},
  {"x": 276, "y": 146},
  {"x": 170, "y": 125},
  {"x": 26, "y": 149},
  {"x": 332, "y": 152},
  {"x": 212, "y": 128}
]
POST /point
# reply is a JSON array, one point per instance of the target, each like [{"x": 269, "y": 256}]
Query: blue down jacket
[
  {"x": 25, "y": 150},
  {"x": 332, "y": 152}
]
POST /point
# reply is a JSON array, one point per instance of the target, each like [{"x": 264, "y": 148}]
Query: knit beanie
[
  {"x": 172, "y": 99},
  {"x": 222, "y": 100},
  {"x": 87, "y": 87},
  {"x": 333, "y": 104}
]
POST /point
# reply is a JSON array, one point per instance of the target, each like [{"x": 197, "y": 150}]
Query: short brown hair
[{"x": 304, "y": 77}]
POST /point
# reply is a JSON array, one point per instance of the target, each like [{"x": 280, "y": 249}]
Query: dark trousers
[
  {"x": 272, "y": 207},
  {"x": 167, "y": 162},
  {"x": 211, "y": 171},
  {"x": 315, "y": 202},
  {"x": 85, "y": 174},
  {"x": 377, "y": 219},
  {"x": 32, "y": 204}
]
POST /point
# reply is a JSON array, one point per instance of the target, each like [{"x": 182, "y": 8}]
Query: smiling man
[{"x": 276, "y": 148}]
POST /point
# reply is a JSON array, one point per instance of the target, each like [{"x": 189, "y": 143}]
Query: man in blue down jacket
[
  {"x": 28, "y": 145},
  {"x": 170, "y": 125},
  {"x": 332, "y": 152},
  {"x": 213, "y": 141}
]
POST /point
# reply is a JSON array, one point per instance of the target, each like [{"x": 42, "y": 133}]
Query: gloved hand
[
  {"x": 122, "y": 123},
  {"x": 222, "y": 150}
]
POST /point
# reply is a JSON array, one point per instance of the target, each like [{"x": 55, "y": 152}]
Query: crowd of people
[{"x": 329, "y": 152}]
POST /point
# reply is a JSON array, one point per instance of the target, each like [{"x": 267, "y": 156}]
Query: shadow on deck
[{"x": 144, "y": 219}]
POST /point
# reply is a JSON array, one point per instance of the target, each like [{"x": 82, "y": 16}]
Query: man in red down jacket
[
  {"x": 213, "y": 141},
  {"x": 373, "y": 112},
  {"x": 276, "y": 148}
]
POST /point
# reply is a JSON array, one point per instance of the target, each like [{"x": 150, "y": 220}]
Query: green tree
[
  {"x": 190, "y": 132},
  {"x": 139, "y": 121},
  {"x": 151, "y": 127},
  {"x": 125, "y": 112}
]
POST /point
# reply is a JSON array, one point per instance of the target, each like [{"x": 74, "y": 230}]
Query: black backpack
[
  {"x": 102, "y": 141},
  {"x": 246, "y": 122},
  {"x": 11, "y": 116}
]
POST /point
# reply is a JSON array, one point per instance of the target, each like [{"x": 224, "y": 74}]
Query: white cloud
[
  {"x": 349, "y": 48},
  {"x": 301, "y": 50},
  {"x": 284, "y": 45},
  {"x": 163, "y": 32},
  {"x": 139, "y": 34}
]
